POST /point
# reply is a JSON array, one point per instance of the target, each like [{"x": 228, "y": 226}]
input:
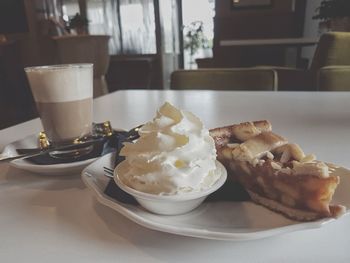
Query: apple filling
[{"x": 275, "y": 173}]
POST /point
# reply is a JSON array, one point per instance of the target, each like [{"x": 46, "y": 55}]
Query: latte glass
[{"x": 63, "y": 97}]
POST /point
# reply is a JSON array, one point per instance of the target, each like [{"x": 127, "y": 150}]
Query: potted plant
[
  {"x": 195, "y": 39},
  {"x": 334, "y": 15},
  {"x": 79, "y": 24}
]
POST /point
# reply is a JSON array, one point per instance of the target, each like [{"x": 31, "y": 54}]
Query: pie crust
[{"x": 275, "y": 173}]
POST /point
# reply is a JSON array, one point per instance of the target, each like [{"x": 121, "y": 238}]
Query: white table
[{"x": 57, "y": 219}]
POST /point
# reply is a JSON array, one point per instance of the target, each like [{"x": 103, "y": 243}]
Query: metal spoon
[{"x": 100, "y": 132}]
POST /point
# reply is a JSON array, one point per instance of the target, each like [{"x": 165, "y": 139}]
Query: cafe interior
[
  {"x": 172, "y": 44},
  {"x": 141, "y": 130}
]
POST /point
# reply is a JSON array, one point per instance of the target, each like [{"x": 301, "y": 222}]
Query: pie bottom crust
[{"x": 293, "y": 213}]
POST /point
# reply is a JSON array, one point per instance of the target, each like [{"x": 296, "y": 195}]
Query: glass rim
[{"x": 58, "y": 67}]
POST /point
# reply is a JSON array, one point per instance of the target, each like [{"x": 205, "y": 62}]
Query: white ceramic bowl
[{"x": 172, "y": 204}]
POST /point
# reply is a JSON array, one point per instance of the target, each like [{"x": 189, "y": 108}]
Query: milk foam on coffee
[
  {"x": 60, "y": 83},
  {"x": 63, "y": 95},
  {"x": 174, "y": 155}
]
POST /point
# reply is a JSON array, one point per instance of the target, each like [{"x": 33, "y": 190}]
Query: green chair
[
  {"x": 224, "y": 79},
  {"x": 331, "y": 64},
  {"x": 334, "y": 78},
  {"x": 333, "y": 49},
  {"x": 329, "y": 70}
]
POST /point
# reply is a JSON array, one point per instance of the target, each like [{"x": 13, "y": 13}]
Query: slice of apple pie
[{"x": 275, "y": 173}]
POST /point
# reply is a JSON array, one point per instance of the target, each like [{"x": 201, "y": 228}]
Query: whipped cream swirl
[{"x": 175, "y": 154}]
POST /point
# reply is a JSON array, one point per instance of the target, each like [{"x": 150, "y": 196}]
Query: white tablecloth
[{"x": 57, "y": 219}]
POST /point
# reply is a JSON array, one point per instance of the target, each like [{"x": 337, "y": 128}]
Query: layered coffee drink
[
  {"x": 63, "y": 96},
  {"x": 63, "y": 126}
]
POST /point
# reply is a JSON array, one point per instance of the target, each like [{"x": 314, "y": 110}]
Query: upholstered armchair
[
  {"x": 224, "y": 79},
  {"x": 331, "y": 63},
  {"x": 329, "y": 70},
  {"x": 334, "y": 78}
]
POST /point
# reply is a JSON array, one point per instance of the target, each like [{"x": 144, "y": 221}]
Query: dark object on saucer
[
  {"x": 100, "y": 147},
  {"x": 230, "y": 192},
  {"x": 112, "y": 190},
  {"x": 104, "y": 140}
]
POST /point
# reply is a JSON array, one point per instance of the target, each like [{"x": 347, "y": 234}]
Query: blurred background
[{"x": 139, "y": 44}]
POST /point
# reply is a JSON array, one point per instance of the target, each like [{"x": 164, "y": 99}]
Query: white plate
[
  {"x": 52, "y": 169},
  {"x": 212, "y": 220}
]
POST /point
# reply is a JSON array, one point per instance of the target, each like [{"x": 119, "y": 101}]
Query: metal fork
[
  {"x": 130, "y": 135},
  {"x": 108, "y": 171}
]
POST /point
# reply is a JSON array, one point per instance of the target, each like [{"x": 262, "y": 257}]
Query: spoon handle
[{"x": 37, "y": 152}]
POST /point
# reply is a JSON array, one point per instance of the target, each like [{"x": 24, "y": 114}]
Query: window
[
  {"x": 69, "y": 9},
  {"x": 130, "y": 23},
  {"x": 138, "y": 30},
  {"x": 198, "y": 20}
]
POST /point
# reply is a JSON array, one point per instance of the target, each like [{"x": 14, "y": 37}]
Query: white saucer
[
  {"x": 222, "y": 220},
  {"x": 52, "y": 169}
]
